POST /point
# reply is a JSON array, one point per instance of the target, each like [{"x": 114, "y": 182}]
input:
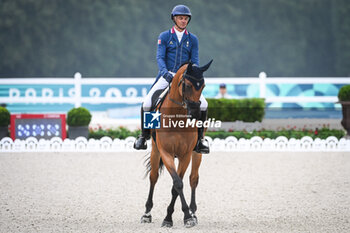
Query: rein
[{"x": 182, "y": 103}]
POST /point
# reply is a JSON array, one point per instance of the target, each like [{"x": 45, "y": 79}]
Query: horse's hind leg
[
  {"x": 194, "y": 178},
  {"x": 153, "y": 177}
]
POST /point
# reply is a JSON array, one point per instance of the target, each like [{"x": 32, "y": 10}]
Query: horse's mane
[{"x": 185, "y": 63}]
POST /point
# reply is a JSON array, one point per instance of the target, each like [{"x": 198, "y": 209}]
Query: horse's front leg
[
  {"x": 178, "y": 184},
  {"x": 153, "y": 177},
  {"x": 194, "y": 178},
  {"x": 168, "y": 221}
]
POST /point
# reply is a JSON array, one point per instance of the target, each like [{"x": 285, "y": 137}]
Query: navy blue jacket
[{"x": 171, "y": 53}]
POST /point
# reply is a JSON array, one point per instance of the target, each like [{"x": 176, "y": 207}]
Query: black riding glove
[{"x": 168, "y": 77}]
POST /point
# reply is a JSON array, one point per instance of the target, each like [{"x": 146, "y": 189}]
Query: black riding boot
[
  {"x": 200, "y": 147},
  {"x": 141, "y": 141}
]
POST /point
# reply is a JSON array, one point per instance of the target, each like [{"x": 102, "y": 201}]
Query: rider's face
[
  {"x": 181, "y": 22},
  {"x": 223, "y": 90}
]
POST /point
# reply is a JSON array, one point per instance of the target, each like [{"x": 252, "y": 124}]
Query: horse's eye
[{"x": 188, "y": 87}]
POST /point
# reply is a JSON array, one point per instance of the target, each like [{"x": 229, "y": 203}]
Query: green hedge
[
  {"x": 120, "y": 133},
  {"x": 323, "y": 133},
  {"x": 297, "y": 134},
  {"x": 247, "y": 110}
]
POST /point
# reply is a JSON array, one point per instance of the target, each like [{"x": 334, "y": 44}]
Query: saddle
[{"x": 158, "y": 98}]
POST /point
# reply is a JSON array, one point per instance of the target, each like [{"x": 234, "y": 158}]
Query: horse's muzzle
[{"x": 193, "y": 109}]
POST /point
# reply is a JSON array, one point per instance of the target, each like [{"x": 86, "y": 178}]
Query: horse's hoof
[
  {"x": 195, "y": 219},
  {"x": 146, "y": 218},
  {"x": 167, "y": 224},
  {"x": 191, "y": 222}
]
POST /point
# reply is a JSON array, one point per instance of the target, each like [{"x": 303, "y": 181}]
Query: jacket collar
[
  {"x": 184, "y": 37},
  {"x": 173, "y": 30}
]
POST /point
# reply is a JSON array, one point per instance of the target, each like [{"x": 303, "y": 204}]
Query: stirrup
[
  {"x": 140, "y": 143},
  {"x": 201, "y": 148}
]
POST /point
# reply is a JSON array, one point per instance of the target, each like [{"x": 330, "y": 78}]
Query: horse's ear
[
  {"x": 204, "y": 68},
  {"x": 189, "y": 67}
]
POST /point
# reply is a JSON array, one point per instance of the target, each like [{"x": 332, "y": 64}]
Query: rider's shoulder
[
  {"x": 193, "y": 36},
  {"x": 165, "y": 34}
]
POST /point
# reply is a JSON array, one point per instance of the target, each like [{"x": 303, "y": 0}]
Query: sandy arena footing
[{"x": 237, "y": 192}]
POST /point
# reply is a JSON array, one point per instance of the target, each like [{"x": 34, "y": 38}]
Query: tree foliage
[{"x": 118, "y": 37}]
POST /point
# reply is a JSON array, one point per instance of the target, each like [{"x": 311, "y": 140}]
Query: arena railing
[{"x": 77, "y": 98}]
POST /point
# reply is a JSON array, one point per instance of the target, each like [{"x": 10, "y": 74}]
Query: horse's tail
[{"x": 147, "y": 163}]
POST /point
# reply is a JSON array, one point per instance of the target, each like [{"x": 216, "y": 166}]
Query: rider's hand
[{"x": 168, "y": 77}]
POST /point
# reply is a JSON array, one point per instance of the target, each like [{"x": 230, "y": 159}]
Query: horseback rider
[{"x": 175, "y": 47}]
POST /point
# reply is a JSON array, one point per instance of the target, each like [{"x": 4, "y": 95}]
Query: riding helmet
[{"x": 181, "y": 10}]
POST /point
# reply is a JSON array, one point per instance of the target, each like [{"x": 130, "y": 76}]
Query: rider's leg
[
  {"x": 140, "y": 143},
  {"x": 200, "y": 147},
  {"x": 160, "y": 84}
]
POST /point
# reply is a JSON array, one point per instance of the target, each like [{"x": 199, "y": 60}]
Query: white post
[
  {"x": 262, "y": 79},
  {"x": 77, "y": 89}
]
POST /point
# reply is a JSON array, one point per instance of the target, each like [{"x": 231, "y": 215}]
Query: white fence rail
[
  {"x": 106, "y": 144},
  {"x": 76, "y": 98}
]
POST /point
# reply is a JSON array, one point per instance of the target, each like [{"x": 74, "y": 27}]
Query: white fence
[
  {"x": 76, "y": 98},
  {"x": 230, "y": 144}
]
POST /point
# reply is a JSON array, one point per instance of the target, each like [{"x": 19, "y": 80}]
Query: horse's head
[{"x": 192, "y": 82}]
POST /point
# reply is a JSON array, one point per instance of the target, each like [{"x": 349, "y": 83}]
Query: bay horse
[{"x": 181, "y": 104}]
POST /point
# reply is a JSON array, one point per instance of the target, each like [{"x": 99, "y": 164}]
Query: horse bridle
[{"x": 185, "y": 102}]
